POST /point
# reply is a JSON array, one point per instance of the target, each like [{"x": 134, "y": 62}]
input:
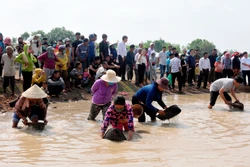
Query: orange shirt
[{"x": 218, "y": 66}]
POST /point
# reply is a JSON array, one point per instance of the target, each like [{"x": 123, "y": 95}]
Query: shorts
[{"x": 36, "y": 112}]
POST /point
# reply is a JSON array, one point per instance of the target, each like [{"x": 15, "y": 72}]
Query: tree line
[{"x": 202, "y": 45}]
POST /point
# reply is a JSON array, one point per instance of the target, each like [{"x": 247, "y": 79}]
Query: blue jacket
[
  {"x": 2, "y": 47},
  {"x": 113, "y": 52},
  {"x": 91, "y": 50},
  {"x": 148, "y": 94},
  {"x": 190, "y": 61}
]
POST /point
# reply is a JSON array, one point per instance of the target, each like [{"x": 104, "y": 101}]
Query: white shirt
[
  {"x": 246, "y": 61},
  {"x": 175, "y": 64},
  {"x": 100, "y": 72},
  {"x": 142, "y": 60},
  {"x": 162, "y": 58},
  {"x": 204, "y": 64},
  {"x": 122, "y": 49},
  {"x": 37, "y": 50},
  {"x": 9, "y": 65}
]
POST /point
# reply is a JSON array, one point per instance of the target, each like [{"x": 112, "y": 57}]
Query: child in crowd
[
  {"x": 76, "y": 74},
  {"x": 86, "y": 76},
  {"x": 45, "y": 87},
  {"x": 197, "y": 71},
  {"x": 116, "y": 114}
]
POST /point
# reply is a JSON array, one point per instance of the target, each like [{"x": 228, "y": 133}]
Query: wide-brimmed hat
[
  {"x": 163, "y": 82},
  {"x": 112, "y": 43},
  {"x": 34, "y": 92},
  {"x": 110, "y": 76}
]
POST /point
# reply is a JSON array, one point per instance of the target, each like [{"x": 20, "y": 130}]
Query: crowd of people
[{"x": 65, "y": 66}]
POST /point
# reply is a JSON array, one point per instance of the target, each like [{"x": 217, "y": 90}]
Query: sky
[{"x": 223, "y": 22}]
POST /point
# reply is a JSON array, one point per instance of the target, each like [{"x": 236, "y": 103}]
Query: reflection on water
[{"x": 197, "y": 137}]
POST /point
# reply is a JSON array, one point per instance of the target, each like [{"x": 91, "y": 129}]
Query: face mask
[
  {"x": 110, "y": 83},
  {"x": 34, "y": 40},
  {"x": 64, "y": 51},
  {"x": 119, "y": 110}
]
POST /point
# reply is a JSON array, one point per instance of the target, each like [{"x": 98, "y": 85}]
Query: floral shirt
[{"x": 115, "y": 118}]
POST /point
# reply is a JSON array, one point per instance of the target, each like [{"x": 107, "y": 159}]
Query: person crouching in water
[
  {"x": 103, "y": 89},
  {"x": 147, "y": 94},
  {"x": 55, "y": 84},
  {"x": 117, "y": 114},
  {"x": 221, "y": 87},
  {"x": 30, "y": 105}
]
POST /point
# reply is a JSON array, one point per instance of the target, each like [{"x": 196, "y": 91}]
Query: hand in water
[
  {"x": 25, "y": 121},
  {"x": 228, "y": 102},
  {"x": 162, "y": 112}
]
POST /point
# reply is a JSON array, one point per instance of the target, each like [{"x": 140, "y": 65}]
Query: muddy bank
[{"x": 125, "y": 88}]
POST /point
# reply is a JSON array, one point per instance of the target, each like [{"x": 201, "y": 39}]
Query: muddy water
[{"x": 197, "y": 137}]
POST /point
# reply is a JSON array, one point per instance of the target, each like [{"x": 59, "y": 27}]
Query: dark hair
[
  {"x": 104, "y": 36},
  {"x": 205, "y": 53},
  {"x": 164, "y": 47},
  {"x": 94, "y": 34},
  {"x": 196, "y": 50},
  {"x": 82, "y": 37},
  {"x": 170, "y": 46},
  {"x": 174, "y": 49},
  {"x": 239, "y": 79},
  {"x": 77, "y": 64},
  {"x": 124, "y": 37},
  {"x": 191, "y": 50},
  {"x": 224, "y": 52},
  {"x": 120, "y": 100},
  {"x": 78, "y": 33},
  {"x": 67, "y": 45},
  {"x": 85, "y": 40},
  {"x": 97, "y": 58},
  {"x": 171, "y": 54},
  {"x": 55, "y": 72},
  {"x": 176, "y": 54},
  {"x": 244, "y": 53},
  {"x": 214, "y": 49},
  {"x": 132, "y": 46}
]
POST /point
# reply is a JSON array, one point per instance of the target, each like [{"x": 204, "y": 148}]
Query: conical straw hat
[{"x": 34, "y": 92}]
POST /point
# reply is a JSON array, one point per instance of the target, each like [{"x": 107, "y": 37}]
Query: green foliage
[
  {"x": 41, "y": 32},
  {"x": 202, "y": 45},
  {"x": 60, "y": 33},
  {"x": 14, "y": 40},
  {"x": 25, "y": 35},
  {"x": 160, "y": 43}
]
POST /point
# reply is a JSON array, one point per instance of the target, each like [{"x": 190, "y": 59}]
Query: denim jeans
[{"x": 163, "y": 70}]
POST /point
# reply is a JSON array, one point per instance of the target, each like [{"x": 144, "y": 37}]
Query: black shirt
[
  {"x": 94, "y": 66},
  {"x": 75, "y": 44},
  {"x": 104, "y": 48},
  {"x": 236, "y": 63},
  {"x": 212, "y": 59}
]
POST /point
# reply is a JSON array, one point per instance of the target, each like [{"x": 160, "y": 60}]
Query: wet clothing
[
  {"x": 26, "y": 108},
  {"x": 116, "y": 118},
  {"x": 95, "y": 109},
  {"x": 102, "y": 94},
  {"x": 146, "y": 95}
]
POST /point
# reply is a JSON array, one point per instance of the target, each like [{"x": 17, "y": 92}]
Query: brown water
[{"x": 197, "y": 137}]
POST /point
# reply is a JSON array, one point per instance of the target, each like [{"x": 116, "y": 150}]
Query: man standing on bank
[{"x": 122, "y": 52}]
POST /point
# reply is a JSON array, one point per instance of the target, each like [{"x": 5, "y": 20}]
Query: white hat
[
  {"x": 112, "y": 43},
  {"x": 151, "y": 43},
  {"x": 110, "y": 76},
  {"x": 34, "y": 92}
]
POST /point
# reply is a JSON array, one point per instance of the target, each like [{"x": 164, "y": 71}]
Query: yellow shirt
[
  {"x": 37, "y": 78},
  {"x": 63, "y": 60}
]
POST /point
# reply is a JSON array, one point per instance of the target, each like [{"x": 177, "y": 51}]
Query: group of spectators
[{"x": 68, "y": 64}]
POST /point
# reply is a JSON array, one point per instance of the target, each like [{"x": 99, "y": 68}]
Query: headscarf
[
  {"x": 7, "y": 41},
  {"x": 218, "y": 59},
  {"x": 50, "y": 51},
  {"x": 2, "y": 47}
]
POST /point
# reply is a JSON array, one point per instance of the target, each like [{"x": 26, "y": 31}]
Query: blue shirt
[
  {"x": 190, "y": 61},
  {"x": 113, "y": 52},
  {"x": 91, "y": 50},
  {"x": 148, "y": 94},
  {"x": 168, "y": 53},
  {"x": 82, "y": 51}
]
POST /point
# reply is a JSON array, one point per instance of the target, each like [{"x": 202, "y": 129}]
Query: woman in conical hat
[{"x": 30, "y": 105}]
